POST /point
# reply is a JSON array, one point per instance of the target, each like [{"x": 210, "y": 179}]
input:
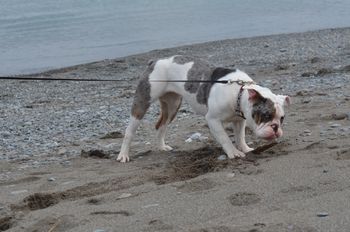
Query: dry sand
[{"x": 300, "y": 184}]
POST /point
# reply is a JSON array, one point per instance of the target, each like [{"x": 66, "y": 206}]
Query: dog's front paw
[
  {"x": 165, "y": 148},
  {"x": 247, "y": 149},
  {"x": 244, "y": 148},
  {"x": 236, "y": 154},
  {"x": 123, "y": 158}
]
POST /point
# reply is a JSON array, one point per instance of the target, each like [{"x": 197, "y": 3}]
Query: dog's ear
[
  {"x": 256, "y": 92},
  {"x": 253, "y": 95},
  {"x": 284, "y": 100}
]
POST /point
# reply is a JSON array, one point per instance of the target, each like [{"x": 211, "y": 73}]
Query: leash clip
[
  {"x": 240, "y": 82},
  {"x": 230, "y": 82}
]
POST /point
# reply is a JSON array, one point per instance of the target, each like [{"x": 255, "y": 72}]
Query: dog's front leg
[
  {"x": 239, "y": 130},
  {"x": 218, "y": 131}
]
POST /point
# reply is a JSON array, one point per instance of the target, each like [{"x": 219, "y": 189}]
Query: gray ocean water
[{"x": 37, "y": 35}]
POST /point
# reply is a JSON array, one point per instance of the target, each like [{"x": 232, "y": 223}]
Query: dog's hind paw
[{"x": 123, "y": 158}]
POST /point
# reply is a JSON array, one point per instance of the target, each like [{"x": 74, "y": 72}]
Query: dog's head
[{"x": 265, "y": 112}]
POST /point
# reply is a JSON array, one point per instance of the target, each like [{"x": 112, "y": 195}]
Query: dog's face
[{"x": 266, "y": 112}]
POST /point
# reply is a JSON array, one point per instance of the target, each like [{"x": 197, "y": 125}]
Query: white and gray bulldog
[{"x": 240, "y": 101}]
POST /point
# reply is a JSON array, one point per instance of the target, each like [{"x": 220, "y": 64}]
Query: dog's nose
[{"x": 274, "y": 127}]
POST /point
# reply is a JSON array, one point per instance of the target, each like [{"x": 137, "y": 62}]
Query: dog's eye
[
  {"x": 266, "y": 117},
  {"x": 282, "y": 119}
]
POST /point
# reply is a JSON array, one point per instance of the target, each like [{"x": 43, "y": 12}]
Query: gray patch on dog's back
[
  {"x": 204, "y": 89},
  {"x": 200, "y": 70},
  {"x": 142, "y": 99},
  {"x": 183, "y": 59},
  {"x": 263, "y": 110}
]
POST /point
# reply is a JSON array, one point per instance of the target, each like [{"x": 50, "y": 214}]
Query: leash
[
  {"x": 21, "y": 78},
  {"x": 238, "y": 110},
  {"x": 239, "y": 82},
  {"x": 54, "y": 79}
]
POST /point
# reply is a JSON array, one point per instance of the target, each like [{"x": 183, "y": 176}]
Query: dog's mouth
[
  {"x": 271, "y": 137},
  {"x": 269, "y": 134}
]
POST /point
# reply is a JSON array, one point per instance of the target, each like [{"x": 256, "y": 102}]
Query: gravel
[{"x": 52, "y": 122}]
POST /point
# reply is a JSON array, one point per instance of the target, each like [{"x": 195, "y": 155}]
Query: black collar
[{"x": 239, "y": 112}]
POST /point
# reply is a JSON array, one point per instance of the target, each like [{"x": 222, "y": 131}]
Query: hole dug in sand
[
  {"x": 190, "y": 164},
  {"x": 243, "y": 198},
  {"x": 99, "y": 154},
  {"x": 5, "y": 223},
  {"x": 41, "y": 200}
]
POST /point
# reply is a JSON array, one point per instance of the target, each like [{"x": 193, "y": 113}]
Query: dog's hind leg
[
  {"x": 142, "y": 101},
  {"x": 139, "y": 109},
  {"x": 129, "y": 134},
  {"x": 169, "y": 104}
]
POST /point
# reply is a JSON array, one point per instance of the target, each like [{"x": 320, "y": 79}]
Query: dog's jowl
[{"x": 241, "y": 102}]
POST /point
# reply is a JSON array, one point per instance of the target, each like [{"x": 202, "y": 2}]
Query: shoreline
[{"x": 153, "y": 52}]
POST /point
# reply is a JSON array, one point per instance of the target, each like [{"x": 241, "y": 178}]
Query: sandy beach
[{"x": 59, "y": 141}]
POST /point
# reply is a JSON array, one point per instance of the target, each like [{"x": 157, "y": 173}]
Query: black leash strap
[
  {"x": 110, "y": 80},
  {"x": 22, "y": 78},
  {"x": 194, "y": 81},
  {"x": 53, "y": 79},
  {"x": 239, "y": 82}
]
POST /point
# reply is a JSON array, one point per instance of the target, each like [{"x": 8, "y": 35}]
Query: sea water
[{"x": 37, "y": 35}]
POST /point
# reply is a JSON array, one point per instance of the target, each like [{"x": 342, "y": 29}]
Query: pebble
[
  {"x": 36, "y": 163},
  {"x": 111, "y": 146},
  {"x": 19, "y": 192},
  {"x": 5, "y": 134},
  {"x": 307, "y": 100},
  {"x": 222, "y": 157},
  {"x": 51, "y": 179},
  {"x": 322, "y": 214},
  {"x": 231, "y": 175},
  {"x": 150, "y": 205},
  {"x": 335, "y": 125},
  {"x": 62, "y": 151},
  {"x": 339, "y": 116},
  {"x": 196, "y": 136},
  {"x": 28, "y": 123},
  {"x": 66, "y": 163},
  {"x": 124, "y": 195}
]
